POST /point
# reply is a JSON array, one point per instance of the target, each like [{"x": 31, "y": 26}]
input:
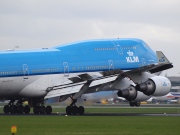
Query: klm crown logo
[
  {"x": 162, "y": 59},
  {"x": 130, "y": 53},
  {"x": 165, "y": 84},
  {"x": 131, "y": 58}
]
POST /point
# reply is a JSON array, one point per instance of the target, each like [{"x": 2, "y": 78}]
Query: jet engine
[
  {"x": 131, "y": 94},
  {"x": 155, "y": 86}
]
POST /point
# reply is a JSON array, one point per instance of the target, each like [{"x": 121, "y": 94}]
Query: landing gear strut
[
  {"x": 38, "y": 106},
  {"x": 73, "y": 109}
]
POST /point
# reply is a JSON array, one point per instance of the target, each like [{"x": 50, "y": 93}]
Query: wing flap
[
  {"x": 75, "y": 87},
  {"x": 64, "y": 91}
]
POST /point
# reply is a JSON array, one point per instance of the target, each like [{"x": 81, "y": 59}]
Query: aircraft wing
[
  {"x": 64, "y": 91},
  {"x": 76, "y": 83}
]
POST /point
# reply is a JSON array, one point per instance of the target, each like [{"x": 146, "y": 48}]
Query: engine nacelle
[
  {"x": 141, "y": 97},
  {"x": 131, "y": 94},
  {"x": 155, "y": 86}
]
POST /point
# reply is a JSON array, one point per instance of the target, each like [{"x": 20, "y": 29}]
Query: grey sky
[{"x": 43, "y": 23}]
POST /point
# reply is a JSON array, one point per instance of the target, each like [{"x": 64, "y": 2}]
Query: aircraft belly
[
  {"x": 10, "y": 86},
  {"x": 39, "y": 86}
]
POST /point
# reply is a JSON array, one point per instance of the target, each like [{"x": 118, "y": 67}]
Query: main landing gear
[
  {"x": 73, "y": 109},
  {"x": 42, "y": 109},
  {"x": 38, "y": 106},
  {"x": 134, "y": 103},
  {"x": 16, "y": 109}
]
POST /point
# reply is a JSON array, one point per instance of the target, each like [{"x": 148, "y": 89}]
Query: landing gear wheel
[
  {"x": 26, "y": 109},
  {"x": 137, "y": 104},
  {"x": 20, "y": 109},
  {"x": 42, "y": 109},
  {"x": 6, "y": 109},
  {"x": 68, "y": 110},
  {"x": 36, "y": 110},
  {"x": 13, "y": 109},
  {"x": 81, "y": 110},
  {"x": 131, "y": 104},
  {"x": 74, "y": 110},
  {"x": 48, "y": 110}
]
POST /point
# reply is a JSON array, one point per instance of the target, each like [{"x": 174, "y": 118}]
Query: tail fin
[
  {"x": 161, "y": 57},
  {"x": 163, "y": 63}
]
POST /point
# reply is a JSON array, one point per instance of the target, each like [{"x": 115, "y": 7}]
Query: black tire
[
  {"x": 81, "y": 110},
  {"x": 6, "y": 109},
  {"x": 26, "y": 109},
  {"x": 137, "y": 104},
  {"x": 131, "y": 104},
  {"x": 48, "y": 110},
  {"x": 36, "y": 110},
  {"x": 68, "y": 110},
  {"x": 13, "y": 109},
  {"x": 74, "y": 110},
  {"x": 20, "y": 109},
  {"x": 42, "y": 110}
]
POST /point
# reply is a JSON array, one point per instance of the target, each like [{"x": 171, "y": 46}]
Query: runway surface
[
  {"x": 110, "y": 114},
  {"x": 96, "y": 114}
]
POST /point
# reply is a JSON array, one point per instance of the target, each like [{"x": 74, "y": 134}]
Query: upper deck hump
[{"x": 100, "y": 41}]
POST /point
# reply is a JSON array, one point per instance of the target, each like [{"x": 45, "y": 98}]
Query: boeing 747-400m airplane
[{"x": 124, "y": 65}]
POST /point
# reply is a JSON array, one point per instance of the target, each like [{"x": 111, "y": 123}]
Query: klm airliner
[{"x": 71, "y": 70}]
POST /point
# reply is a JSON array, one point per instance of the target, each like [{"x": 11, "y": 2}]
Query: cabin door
[
  {"x": 111, "y": 64},
  {"x": 66, "y": 69},
  {"x": 25, "y": 71},
  {"x": 143, "y": 61}
]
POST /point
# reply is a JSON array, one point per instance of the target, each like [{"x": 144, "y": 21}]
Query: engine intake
[
  {"x": 148, "y": 87},
  {"x": 155, "y": 86}
]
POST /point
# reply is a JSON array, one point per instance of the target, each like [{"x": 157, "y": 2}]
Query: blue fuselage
[{"x": 86, "y": 56}]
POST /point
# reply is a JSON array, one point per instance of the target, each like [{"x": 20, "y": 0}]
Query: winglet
[{"x": 161, "y": 57}]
